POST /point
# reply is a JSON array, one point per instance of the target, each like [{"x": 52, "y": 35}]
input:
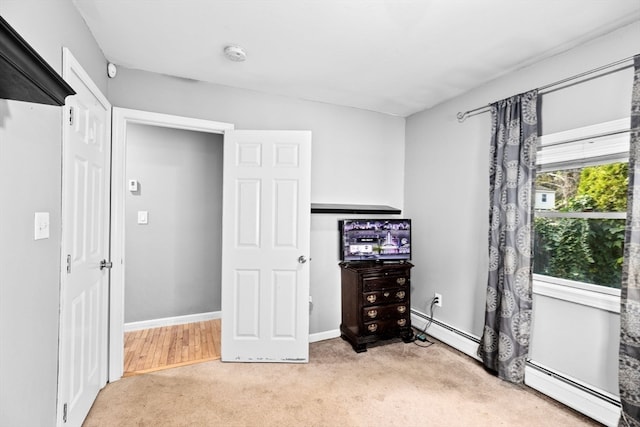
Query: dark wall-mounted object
[
  {"x": 329, "y": 208},
  {"x": 25, "y": 75}
]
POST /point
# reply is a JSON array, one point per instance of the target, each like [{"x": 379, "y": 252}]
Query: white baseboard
[
  {"x": 582, "y": 401},
  {"x": 573, "y": 396},
  {"x": 190, "y": 318},
  {"x": 170, "y": 321},
  {"x": 326, "y": 335},
  {"x": 445, "y": 333}
]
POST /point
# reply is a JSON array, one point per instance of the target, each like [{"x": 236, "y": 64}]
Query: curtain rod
[{"x": 486, "y": 108}]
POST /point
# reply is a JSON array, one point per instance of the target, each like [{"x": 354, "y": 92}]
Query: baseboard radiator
[{"x": 599, "y": 405}]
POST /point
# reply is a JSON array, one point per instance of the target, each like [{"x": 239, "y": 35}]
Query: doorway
[
  {"x": 173, "y": 242},
  {"x": 157, "y": 288}
]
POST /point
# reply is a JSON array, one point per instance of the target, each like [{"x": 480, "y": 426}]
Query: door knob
[
  {"x": 302, "y": 259},
  {"x": 105, "y": 264}
]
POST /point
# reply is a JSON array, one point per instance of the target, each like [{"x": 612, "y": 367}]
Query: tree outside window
[{"x": 582, "y": 238}]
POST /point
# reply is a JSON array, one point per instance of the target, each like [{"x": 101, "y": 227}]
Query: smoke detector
[{"x": 235, "y": 53}]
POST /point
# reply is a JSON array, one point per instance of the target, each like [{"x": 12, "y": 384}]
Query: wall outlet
[{"x": 438, "y": 299}]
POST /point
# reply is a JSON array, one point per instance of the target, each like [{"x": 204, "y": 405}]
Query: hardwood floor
[{"x": 154, "y": 349}]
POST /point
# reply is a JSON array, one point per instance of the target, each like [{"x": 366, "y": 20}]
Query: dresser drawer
[
  {"x": 380, "y": 327},
  {"x": 384, "y": 297},
  {"x": 381, "y": 312},
  {"x": 384, "y": 282}
]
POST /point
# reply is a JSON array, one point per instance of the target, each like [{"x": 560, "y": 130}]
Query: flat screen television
[{"x": 381, "y": 240}]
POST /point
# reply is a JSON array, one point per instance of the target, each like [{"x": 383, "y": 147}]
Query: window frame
[{"x": 599, "y": 296}]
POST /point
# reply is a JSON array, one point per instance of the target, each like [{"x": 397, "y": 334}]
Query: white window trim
[
  {"x": 584, "y": 146},
  {"x": 601, "y": 297},
  {"x": 585, "y": 131},
  {"x": 598, "y": 296},
  {"x": 583, "y": 215}
]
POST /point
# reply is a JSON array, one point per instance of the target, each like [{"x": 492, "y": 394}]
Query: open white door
[
  {"x": 265, "y": 246},
  {"x": 84, "y": 294}
]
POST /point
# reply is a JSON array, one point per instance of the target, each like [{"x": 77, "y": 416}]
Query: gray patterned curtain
[
  {"x": 629, "y": 358},
  {"x": 514, "y": 135}
]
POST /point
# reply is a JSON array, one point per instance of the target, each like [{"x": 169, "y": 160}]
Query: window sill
[{"x": 579, "y": 293}]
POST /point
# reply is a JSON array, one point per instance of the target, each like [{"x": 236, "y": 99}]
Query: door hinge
[
  {"x": 70, "y": 116},
  {"x": 68, "y": 264},
  {"x": 64, "y": 413}
]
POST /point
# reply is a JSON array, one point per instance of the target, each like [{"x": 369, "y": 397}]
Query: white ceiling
[{"x": 391, "y": 56}]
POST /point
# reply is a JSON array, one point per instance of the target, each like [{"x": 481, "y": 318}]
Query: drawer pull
[
  {"x": 401, "y": 280},
  {"x": 371, "y": 298},
  {"x": 400, "y": 294},
  {"x": 372, "y": 313},
  {"x": 402, "y": 308},
  {"x": 373, "y": 327},
  {"x": 402, "y": 322},
  {"x": 386, "y": 294}
]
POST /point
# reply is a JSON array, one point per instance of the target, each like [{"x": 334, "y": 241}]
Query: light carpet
[{"x": 396, "y": 384}]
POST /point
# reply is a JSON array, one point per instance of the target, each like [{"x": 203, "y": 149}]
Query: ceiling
[{"x": 391, "y": 56}]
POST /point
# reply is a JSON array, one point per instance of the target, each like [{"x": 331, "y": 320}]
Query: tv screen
[{"x": 375, "y": 239}]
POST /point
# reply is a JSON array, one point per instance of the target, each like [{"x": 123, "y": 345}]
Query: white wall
[
  {"x": 30, "y": 181},
  {"x": 357, "y": 156},
  {"x": 173, "y": 263},
  {"x": 578, "y": 340},
  {"x": 446, "y": 194}
]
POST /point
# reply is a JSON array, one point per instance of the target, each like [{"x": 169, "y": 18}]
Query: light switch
[
  {"x": 41, "y": 225},
  {"x": 143, "y": 217}
]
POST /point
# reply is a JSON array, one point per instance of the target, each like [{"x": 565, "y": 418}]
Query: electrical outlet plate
[{"x": 439, "y": 298}]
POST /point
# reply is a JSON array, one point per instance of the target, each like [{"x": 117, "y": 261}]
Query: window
[{"x": 579, "y": 239}]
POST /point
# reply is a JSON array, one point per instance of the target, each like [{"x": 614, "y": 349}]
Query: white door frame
[{"x": 122, "y": 117}]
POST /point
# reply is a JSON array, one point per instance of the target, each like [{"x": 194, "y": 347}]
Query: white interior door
[
  {"x": 85, "y": 243},
  {"x": 265, "y": 246}
]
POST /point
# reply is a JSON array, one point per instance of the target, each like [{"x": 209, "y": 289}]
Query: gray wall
[
  {"x": 30, "y": 181},
  {"x": 450, "y": 213},
  {"x": 347, "y": 144},
  {"x": 173, "y": 262},
  {"x": 446, "y": 195}
]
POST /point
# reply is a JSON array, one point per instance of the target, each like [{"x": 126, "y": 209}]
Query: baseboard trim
[
  {"x": 599, "y": 405},
  {"x": 594, "y": 403},
  {"x": 460, "y": 340},
  {"x": 170, "y": 321},
  {"x": 326, "y": 335}
]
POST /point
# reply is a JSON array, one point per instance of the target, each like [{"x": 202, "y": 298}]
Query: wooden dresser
[{"x": 376, "y": 303}]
